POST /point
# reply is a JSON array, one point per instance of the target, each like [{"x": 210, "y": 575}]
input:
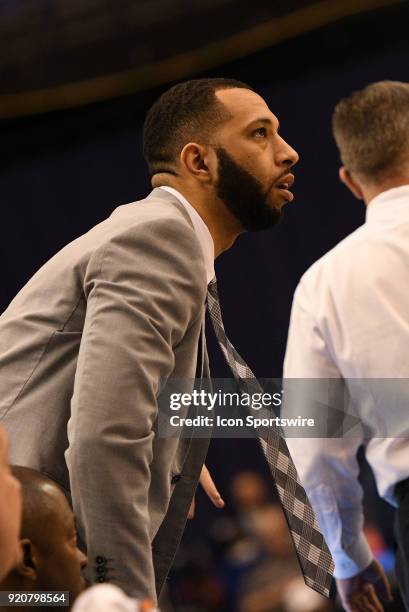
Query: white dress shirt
[
  {"x": 202, "y": 232},
  {"x": 350, "y": 320}
]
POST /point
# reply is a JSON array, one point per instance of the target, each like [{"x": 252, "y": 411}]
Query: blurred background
[{"x": 76, "y": 79}]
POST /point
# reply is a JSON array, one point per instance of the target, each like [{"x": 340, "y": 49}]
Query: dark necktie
[{"x": 313, "y": 555}]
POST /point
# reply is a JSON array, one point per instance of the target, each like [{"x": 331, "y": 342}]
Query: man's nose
[{"x": 287, "y": 156}]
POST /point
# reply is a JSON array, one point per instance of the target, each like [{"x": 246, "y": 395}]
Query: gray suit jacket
[{"x": 84, "y": 347}]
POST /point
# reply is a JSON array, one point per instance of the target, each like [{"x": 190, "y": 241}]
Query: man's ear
[
  {"x": 27, "y": 566},
  {"x": 197, "y": 162},
  {"x": 352, "y": 185}
]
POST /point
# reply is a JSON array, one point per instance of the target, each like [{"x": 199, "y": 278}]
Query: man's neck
[
  {"x": 371, "y": 192},
  {"x": 222, "y": 226}
]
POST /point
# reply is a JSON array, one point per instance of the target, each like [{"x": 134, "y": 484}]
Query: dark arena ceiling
[{"x": 57, "y": 54}]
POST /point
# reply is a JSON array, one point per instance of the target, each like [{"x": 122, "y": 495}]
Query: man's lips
[{"x": 284, "y": 184}]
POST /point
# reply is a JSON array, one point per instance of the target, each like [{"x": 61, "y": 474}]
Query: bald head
[
  {"x": 50, "y": 559},
  {"x": 44, "y": 504},
  {"x": 10, "y": 510}
]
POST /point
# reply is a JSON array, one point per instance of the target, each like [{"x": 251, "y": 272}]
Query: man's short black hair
[{"x": 186, "y": 112}]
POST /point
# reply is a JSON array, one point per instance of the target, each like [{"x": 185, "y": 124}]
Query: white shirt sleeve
[{"x": 327, "y": 467}]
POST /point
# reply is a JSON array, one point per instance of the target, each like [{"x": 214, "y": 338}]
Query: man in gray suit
[{"x": 88, "y": 343}]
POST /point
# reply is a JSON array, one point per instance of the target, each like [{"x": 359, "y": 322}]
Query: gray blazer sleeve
[{"x": 144, "y": 289}]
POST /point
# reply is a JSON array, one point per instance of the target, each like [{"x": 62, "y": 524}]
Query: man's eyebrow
[{"x": 264, "y": 120}]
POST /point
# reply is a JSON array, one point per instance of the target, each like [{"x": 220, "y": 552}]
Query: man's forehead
[{"x": 245, "y": 105}]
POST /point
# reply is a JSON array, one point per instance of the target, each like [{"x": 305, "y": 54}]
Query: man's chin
[{"x": 279, "y": 201}]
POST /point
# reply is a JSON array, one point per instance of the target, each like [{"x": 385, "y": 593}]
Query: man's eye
[{"x": 260, "y": 132}]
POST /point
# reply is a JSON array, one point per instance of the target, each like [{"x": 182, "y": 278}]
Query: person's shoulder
[
  {"x": 153, "y": 231},
  {"x": 157, "y": 205},
  {"x": 341, "y": 257},
  {"x": 344, "y": 260},
  {"x": 155, "y": 221}
]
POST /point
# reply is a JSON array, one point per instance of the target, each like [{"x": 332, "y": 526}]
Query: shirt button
[
  {"x": 101, "y": 579},
  {"x": 175, "y": 478},
  {"x": 100, "y": 569},
  {"x": 100, "y": 560}
]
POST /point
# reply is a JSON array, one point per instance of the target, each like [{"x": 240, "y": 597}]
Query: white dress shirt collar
[
  {"x": 202, "y": 232},
  {"x": 389, "y": 204}
]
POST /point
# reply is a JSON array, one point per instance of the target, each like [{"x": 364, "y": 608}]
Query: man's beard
[{"x": 244, "y": 195}]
